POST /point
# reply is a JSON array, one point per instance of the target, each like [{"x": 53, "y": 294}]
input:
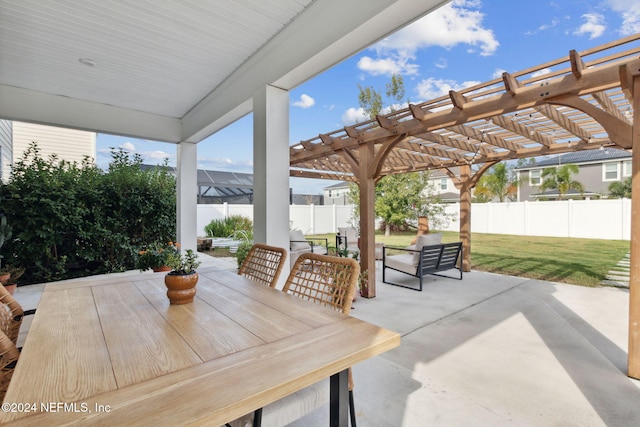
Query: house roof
[
  {"x": 578, "y": 157},
  {"x": 174, "y": 70},
  {"x": 220, "y": 184},
  {"x": 340, "y": 185}
]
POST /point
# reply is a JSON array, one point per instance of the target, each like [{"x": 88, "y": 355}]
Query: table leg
[{"x": 339, "y": 399}]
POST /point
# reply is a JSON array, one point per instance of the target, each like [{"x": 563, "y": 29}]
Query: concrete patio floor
[{"x": 489, "y": 350}]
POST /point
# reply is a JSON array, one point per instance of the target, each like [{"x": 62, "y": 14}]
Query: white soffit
[{"x": 167, "y": 70}]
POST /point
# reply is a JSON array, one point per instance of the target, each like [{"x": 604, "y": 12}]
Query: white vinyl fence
[{"x": 597, "y": 219}]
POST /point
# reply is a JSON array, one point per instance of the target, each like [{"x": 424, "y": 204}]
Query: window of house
[
  {"x": 535, "y": 177},
  {"x": 443, "y": 183},
  {"x": 626, "y": 168},
  {"x": 610, "y": 172}
]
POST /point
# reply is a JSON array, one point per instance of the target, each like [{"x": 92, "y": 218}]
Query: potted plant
[
  {"x": 363, "y": 283},
  {"x": 11, "y": 282},
  {"x": 154, "y": 256},
  {"x": 182, "y": 279}
]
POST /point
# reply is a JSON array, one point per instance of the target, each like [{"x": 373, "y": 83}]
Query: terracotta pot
[
  {"x": 161, "y": 268},
  {"x": 181, "y": 288},
  {"x": 4, "y": 277},
  {"x": 11, "y": 288}
]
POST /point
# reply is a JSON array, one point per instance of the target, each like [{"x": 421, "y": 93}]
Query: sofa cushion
[
  {"x": 425, "y": 240},
  {"x": 402, "y": 262},
  {"x": 297, "y": 241}
]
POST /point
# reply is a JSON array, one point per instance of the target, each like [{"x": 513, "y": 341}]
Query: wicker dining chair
[
  {"x": 11, "y": 315},
  {"x": 329, "y": 281},
  {"x": 263, "y": 264},
  {"x": 8, "y": 357}
]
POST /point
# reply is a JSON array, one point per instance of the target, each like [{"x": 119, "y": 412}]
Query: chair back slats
[
  {"x": 11, "y": 314},
  {"x": 325, "y": 280},
  {"x": 263, "y": 264},
  {"x": 8, "y": 357},
  {"x": 450, "y": 255}
]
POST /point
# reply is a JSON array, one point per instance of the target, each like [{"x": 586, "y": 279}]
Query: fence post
[{"x": 312, "y": 209}]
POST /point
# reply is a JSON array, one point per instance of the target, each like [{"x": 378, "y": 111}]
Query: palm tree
[
  {"x": 499, "y": 182},
  {"x": 559, "y": 178}
]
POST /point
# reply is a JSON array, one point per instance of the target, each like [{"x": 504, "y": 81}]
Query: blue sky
[{"x": 463, "y": 43}]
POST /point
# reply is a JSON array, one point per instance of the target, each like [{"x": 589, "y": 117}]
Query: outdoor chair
[
  {"x": 347, "y": 238},
  {"x": 329, "y": 281},
  {"x": 11, "y": 315},
  {"x": 299, "y": 244},
  {"x": 263, "y": 264},
  {"x": 8, "y": 357}
]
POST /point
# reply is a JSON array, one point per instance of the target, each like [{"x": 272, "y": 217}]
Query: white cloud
[
  {"x": 156, "y": 155},
  {"x": 593, "y": 27},
  {"x": 305, "y": 101},
  {"x": 541, "y": 72},
  {"x": 455, "y": 23},
  {"x": 353, "y": 116},
  {"x": 225, "y": 164},
  {"x": 441, "y": 63},
  {"x": 431, "y": 88},
  {"x": 497, "y": 74},
  {"x": 387, "y": 66},
  {"x": 630, "y": 12},
  {"x": 127, "y": 146}
]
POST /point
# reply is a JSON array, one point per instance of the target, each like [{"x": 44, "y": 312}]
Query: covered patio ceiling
[{"x": 174, "y": 71}]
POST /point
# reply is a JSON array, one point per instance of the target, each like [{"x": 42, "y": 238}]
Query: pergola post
[
  {"x": 367, "y": 218},
  {"x": 634, "y": 277},
  {"x": 465, "y": 216}
]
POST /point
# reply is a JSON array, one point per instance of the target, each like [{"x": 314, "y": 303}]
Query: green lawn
[{"x": 583, "y": 262}]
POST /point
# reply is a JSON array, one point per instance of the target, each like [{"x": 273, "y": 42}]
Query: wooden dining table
[{"x": 113, "y": 351}]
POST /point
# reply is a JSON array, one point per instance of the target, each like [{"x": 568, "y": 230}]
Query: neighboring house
[
  {"x": 597, "y": 170},
  {"x": 337, "y": 194},
  {"x": 69, "y": 144},
  {"x": 443, "y": 185}
]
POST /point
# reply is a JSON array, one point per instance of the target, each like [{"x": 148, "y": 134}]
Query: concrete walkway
[{"x": 491, "y": 350}]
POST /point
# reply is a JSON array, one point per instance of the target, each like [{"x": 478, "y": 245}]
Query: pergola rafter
[{"x": 584, "y": 101}]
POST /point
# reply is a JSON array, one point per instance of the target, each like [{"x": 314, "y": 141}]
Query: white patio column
[
  {"x": 187, "y": 196},
  {"x": 271, "y": 168}
]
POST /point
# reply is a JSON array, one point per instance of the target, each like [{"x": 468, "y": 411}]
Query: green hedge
[{"x": 72, "y": 220}]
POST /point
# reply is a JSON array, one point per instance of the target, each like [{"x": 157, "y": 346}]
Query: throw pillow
[
  {"x": 297, "y": 241},
  {"x": 426, "y": 240}
]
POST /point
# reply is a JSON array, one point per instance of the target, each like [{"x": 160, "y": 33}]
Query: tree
[
  {"x": 397, "y": 197},
  {"x": 404, "y": 197},
  {"x": 400, "y": 197},
  {"x": 620, "y": 189},
  {"x": 560, "y": 178},
  {"x": 371, "y": 100},
  {"x": 498, "y": 182}
]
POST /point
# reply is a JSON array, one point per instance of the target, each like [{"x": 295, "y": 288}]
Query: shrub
[
  {"x": 229, "y": 226},
  {"x": 243, "y": 251},
  {"x": 72, "y": 220},
  {"x": 155, "y": 255}
]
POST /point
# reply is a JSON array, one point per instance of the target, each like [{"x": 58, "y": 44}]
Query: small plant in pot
[
  {"x": 11, "y": 283},
  {"x": 182, "y": 279},
  {"x": 154, "y": 256}
]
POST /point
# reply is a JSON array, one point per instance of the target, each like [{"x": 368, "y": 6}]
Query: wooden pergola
[{"x": 584, "y": 101}]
